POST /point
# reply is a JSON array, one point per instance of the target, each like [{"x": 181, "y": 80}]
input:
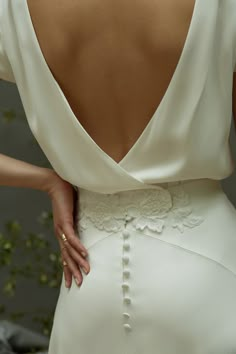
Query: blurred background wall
[
  {"x": 23, "y": 207},
  {"x": 34, "y": 296}
]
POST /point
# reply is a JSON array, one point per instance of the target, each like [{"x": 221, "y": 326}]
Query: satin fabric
[
  {"x": 188, "y": 135},
  {"x": 159, "y": 229},
  {"x": 162, "y": 278}
]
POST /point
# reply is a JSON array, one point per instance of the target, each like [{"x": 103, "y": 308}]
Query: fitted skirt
[{"x": 162, "y": 274}]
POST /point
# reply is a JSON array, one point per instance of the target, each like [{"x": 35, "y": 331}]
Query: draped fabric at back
[{"x": 188, "y": 135}]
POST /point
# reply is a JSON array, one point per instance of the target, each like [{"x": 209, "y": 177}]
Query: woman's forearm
[{"x": 17, "y": 173}]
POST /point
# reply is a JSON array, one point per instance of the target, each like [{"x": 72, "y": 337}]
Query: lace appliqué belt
[{"x": 144, "y": 208}]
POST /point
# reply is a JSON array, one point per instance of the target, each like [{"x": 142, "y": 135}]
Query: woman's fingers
[
  {"x": 74, "y": 240},
  {"x": 71, "y": 268},
  {"x": 73, "y": 258},
  {"x": 64, "y": 204},
  {"x": 67, "y": 275},
  {"x": 66, "y": 270},
  {"x": 77, "y": 258},
  {"x": 75, "y": 248}
]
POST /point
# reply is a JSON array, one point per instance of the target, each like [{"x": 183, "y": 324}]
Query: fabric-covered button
[
  {"x": 126, "y": 233},
  {"x": 126, "y": 246},
  {"x": 126, "y": 315},
  {"x": 126, "y": 273},
  {"x": 125, "y": 286},
  {"x": 127, "y": 300},
  {"x": 125, "y": 259},
  {"x": 127, "y": 326}
]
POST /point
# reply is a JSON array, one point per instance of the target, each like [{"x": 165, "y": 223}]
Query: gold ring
[
  {"x": 63, "y": 237},
  {"x": 65, "y": 264}
]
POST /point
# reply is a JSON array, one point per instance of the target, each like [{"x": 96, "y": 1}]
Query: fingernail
[
  {"x": 67, "y": 284},
  {"x": 84, "y": 254},
  {"x": 77, "y": 281},
  {"x": 85, "y": 270}
]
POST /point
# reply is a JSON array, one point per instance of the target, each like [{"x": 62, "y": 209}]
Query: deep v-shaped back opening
[{"x": 71, "y": 114}]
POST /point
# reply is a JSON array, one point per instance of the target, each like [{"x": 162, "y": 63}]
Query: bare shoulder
[{"x": 62, "y": 12}]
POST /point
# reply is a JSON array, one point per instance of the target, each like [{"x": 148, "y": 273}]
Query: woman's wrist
[
  {"x": 17, "y": 173},
  {"x": 49, "y": 179}
]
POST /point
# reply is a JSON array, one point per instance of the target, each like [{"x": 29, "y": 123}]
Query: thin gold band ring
[{"x": 63, "y": 236}]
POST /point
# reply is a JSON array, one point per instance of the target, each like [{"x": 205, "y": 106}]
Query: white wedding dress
[{"x": 159, "y": 229}]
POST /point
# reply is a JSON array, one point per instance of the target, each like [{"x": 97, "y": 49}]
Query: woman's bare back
[{"x": 113, "y": 60}]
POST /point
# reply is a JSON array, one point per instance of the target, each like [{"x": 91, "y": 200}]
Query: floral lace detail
[{"x": 142, "y": 209}]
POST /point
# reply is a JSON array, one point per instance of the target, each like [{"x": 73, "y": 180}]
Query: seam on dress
[
  {"x": 187, "y": 250},
  {"x": 102, "y": 239}
]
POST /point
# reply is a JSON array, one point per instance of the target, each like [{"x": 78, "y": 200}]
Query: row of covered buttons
[{"x": 126, "y": 275}]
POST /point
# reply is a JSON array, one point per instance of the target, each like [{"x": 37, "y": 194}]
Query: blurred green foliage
[
  {"x": 45, "y": 270},
  {"x": 9, "y": 115},
  {"x": 28, "y": 256}
]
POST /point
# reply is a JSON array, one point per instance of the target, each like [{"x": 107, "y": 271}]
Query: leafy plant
[
  {"x": 28, "y": 256},
  {"x": 45, "y": 270},
  {"x": 10, "y": 115}
]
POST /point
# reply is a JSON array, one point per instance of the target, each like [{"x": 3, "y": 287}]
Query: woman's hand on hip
[{"x": 61, "y": 193}]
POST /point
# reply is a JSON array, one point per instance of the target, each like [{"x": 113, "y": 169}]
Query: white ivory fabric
[
  {"x": 159, "y": 229},
  {"x": 163, "y": 274},
  {"x": 187, "y": 136}
]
